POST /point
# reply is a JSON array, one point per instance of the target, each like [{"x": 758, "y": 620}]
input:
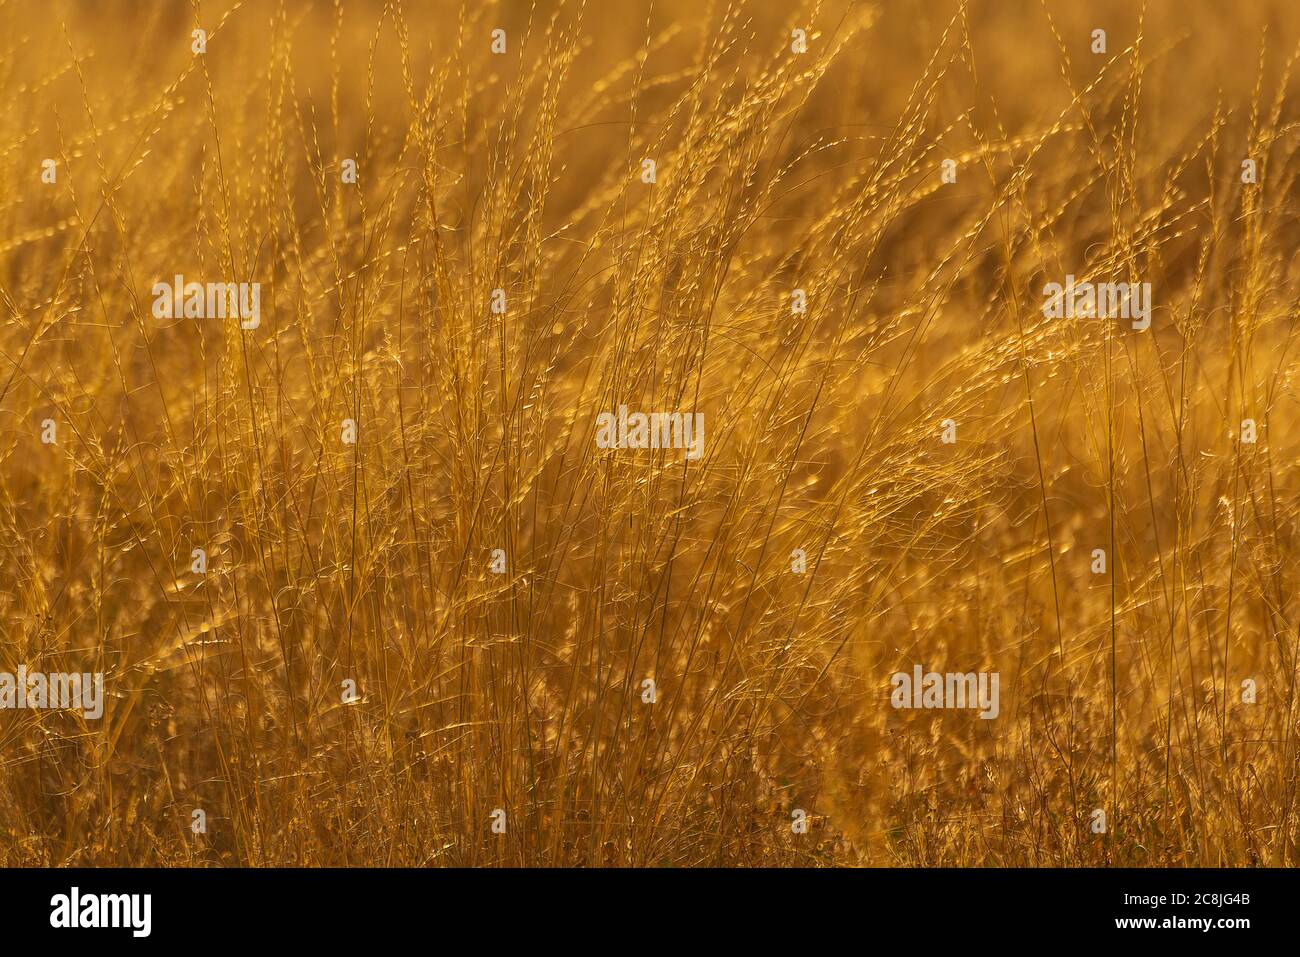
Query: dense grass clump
[{"x": 331, "y": 563}]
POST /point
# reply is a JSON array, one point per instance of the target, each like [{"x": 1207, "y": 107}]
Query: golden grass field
[{"x": 776, "y": 170}]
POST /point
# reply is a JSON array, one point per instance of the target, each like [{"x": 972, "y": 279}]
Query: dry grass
[{"x": 522, "y": 691}]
